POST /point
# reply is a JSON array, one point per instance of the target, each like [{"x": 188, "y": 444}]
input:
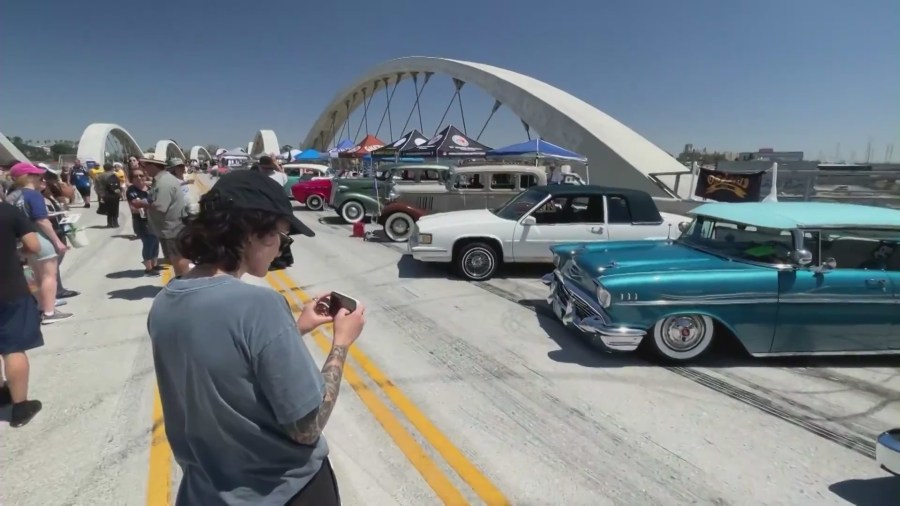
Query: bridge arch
[
  {"x": 9, "y": 153},
  {"x": 200, "y": 154},
  {"x": 167, "y": 148},
  {"x": 92, "y": 145},
  {"x": 618, "y": 155},
  {"x": 264, "y": 143}
]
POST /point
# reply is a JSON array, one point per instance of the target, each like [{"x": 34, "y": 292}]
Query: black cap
[{"x": 247, "y": 189}]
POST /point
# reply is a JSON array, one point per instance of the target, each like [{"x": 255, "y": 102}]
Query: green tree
[{"x": 61, "y": 148}]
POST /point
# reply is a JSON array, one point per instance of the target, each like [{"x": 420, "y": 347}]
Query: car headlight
[
  {"x": 603, "y": 296},
  {"x": 392, "y": 195},
  {"x": 342, "y": 188},
  {"x": 424, "y": 238}
]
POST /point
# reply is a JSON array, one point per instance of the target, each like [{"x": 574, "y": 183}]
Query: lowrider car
[
  {"x": 887, "y": 450},
  {"x": 353, "y": 199},
  {"x": 470, "y": 187},
  {"x": 783, "y": 278},
  {"x": 477, "y": 241}
]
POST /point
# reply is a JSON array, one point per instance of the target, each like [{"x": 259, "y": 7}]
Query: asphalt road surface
[{"x": 457, "y": 393}]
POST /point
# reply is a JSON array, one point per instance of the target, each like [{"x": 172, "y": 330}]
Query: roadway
[{"x": 457, "y": 393}]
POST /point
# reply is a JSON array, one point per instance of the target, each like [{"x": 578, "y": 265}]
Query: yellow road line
[
  {"x": 466, "y": 470},
  {"x": 429, "y": 470},
  {"x": 159, "y": 470}
]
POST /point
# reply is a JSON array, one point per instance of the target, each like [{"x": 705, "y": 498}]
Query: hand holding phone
[{"x": 349, "y": 318}]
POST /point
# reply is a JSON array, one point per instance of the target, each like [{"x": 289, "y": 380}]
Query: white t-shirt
[{"x": 279, "y": 177}]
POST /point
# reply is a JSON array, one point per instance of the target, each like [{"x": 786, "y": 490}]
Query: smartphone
[{"x": 338, "y": 301}]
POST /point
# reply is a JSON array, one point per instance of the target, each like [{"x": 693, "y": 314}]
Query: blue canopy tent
[
  {"x": 340, "y": 146},
  {"x": 537, "y": 149},
  {"x": 310, "y": 154}
]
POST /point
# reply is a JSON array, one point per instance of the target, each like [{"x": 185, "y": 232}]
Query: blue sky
[{"x": 733, "y": 75}]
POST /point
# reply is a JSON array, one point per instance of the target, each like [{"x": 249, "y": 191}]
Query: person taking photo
[{"x": 243, "y": 401}]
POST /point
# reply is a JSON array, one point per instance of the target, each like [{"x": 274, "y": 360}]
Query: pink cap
[{"x": 24, "y": 168}]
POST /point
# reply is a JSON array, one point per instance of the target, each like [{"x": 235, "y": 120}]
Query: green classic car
[
  {"x": 789, "y": 278},
  {"x": 354, "y": 198}
]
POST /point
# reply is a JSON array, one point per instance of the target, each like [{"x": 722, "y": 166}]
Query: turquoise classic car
[{"x": 783, "y": 278}]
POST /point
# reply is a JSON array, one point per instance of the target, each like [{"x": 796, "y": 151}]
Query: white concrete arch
[
  {"x": 264, "y": 142},
  {"x": 200, "y": 154},
  {"x": 618, "y": 155},
  {"x": 166, "y": 148},
  {"x": 249, "y": 149},
  {"x": 9, "y": 153},
  {"x": 92, "y": 145}
]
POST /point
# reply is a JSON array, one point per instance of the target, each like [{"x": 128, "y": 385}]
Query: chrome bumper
[
  {"x": 887, "y": 450},
  {"x": 568, "y": 300}
]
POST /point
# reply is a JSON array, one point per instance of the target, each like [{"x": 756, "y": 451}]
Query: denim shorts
[
  {"x": 46, "y": 251},
  {"x": 20, "y": 325}
]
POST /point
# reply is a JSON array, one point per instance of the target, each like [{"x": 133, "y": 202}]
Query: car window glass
[
  {"x": 618, "y": 210},
  {"x": 527, "y": 181},
  {"x": 570, "y": 210},
  {"x": 503, "y": 181},
  {"x": 740, "y": 241},
  {"x": 468, "y": 182},
  {"x": 858, "y": 249}
]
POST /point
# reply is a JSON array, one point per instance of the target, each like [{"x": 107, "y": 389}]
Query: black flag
[{"x": 728, "y": 187}]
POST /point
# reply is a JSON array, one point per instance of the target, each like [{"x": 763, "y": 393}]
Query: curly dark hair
[{"x": 217, "y": 237}]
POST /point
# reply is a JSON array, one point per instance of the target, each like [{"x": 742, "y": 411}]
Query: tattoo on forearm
[{"x": 308, "y": 429}]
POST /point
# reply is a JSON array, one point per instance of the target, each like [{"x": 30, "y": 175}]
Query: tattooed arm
[{"x": 308, "y": 429}]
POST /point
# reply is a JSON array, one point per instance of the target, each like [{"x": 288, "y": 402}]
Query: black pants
[
  {"x": 322, "y": 490},
  {"x": 111, "y": 209}
]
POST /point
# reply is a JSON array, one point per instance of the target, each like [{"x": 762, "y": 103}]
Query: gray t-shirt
[
  {"x": 232, "y": 370},
  {"x": 167, "y": 206}
]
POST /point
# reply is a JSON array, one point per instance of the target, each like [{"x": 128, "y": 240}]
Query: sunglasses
[{"x": 286, "y": 240}]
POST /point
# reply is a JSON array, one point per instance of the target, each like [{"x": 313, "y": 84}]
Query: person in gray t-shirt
[{"x": 244, "y": 404}]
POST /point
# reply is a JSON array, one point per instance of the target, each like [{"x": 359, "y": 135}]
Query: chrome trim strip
[
  {"x": 758, "y": 300},
  {"x": 825, "y": 353}
]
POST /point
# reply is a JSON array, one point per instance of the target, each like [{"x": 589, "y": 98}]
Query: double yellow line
[
  {"x": 414, "y": 452},
  {"x": 159, "y": 471}
]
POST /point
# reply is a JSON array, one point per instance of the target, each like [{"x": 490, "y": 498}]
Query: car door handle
[
  {"x": 876, "y": 283},
  {"x": 597, "y": 230}
]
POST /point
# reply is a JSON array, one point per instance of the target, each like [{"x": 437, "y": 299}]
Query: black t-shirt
[
  {"x": 132, "y": 193},
  {"x": 13, "y": 226}
]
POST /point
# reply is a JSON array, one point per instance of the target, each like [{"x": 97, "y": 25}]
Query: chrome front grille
[{"x": 582, "y": 308}]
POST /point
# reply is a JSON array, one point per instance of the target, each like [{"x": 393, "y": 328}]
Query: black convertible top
[{"x": 643, "y": 208}]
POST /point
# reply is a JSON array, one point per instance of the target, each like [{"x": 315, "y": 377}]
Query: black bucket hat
[{"x": 247, "y": 189}]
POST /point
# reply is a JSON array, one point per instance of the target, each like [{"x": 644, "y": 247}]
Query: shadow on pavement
[
  {"x": 882, "y": 491},
  {"x": 724, "y": 353},
  {"x": 409, "y": 267},
  {"x": 130, "y": 237},
  {"x": 129, "y": 274},
  {"x": 136, "y": 293}
]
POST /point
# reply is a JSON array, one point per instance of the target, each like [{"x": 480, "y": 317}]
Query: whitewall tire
[
  {"x": 680, "y": 338},
  {"x": 398, "y": 227},
  {"x": 353, "y": 211},
  {"x": 477, "y": 261},
  {"x": 314, "y": 203}
]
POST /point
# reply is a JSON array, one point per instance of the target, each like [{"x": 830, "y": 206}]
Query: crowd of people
[{"x": 243, "y": 401}]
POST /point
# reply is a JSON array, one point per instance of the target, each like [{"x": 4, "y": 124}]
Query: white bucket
[{"x": 78, "y": 237}]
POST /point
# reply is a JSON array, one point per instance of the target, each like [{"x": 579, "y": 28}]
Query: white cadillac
[{"x": 476, "y": 242}]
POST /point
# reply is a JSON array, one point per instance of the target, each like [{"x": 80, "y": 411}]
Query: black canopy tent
[
  {"x": 449, "y": 142},
  {"x": 399, "y": 147}
]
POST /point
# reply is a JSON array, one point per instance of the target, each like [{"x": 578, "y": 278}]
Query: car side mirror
[
  {"x": 529, "y": 221},
  {"x": 802, "y": 257},
  {"x": 828, "y": 265},
  {"x": 684, "y": 226}
]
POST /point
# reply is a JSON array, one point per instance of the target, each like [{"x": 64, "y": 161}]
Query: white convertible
[{"x": 524, "y": 229}]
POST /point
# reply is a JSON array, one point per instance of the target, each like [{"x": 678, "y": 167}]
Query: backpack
[{"x": 111, "y": 183}]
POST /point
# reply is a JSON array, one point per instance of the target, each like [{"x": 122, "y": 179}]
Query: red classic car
[{"x": 314, "y": 193}]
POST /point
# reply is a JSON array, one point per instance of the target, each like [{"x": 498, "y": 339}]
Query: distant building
[{"x": 770, "y": 155}]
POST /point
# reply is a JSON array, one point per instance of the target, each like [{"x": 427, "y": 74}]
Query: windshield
[
  {"x": 739, "y": 241},
  {"x": 520, "y": 204}
]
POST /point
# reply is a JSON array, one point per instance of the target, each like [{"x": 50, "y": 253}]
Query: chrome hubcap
[
  {"x": 314, "y": 202},
  {"x": 683, "y": 333},
  {"x": 399, "y": 226},
  {"x": 352, "y": 212},
  {"x": 478, "y": 263}
]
